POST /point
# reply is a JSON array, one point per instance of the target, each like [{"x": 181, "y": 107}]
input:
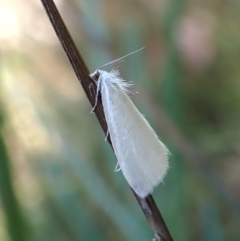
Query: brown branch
[{"x": 147, "y": 205}]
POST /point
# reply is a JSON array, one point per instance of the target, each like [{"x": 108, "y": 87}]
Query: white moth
[{"x": 142, "y": 157}]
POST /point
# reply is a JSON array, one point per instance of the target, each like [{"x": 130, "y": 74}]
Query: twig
[{"x": 147, "y": 205}]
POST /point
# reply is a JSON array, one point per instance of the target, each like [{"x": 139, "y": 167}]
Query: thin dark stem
[{"x": 147, "y": 205}]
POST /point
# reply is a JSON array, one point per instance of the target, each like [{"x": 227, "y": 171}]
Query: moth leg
[
  {"x": 90, "y": 88},
  {"x": 117, "y": 168},
  {"x": 97, "y": 94},
  {"x": 107, "y": 135},
  {"x": 95, "y": 105}
]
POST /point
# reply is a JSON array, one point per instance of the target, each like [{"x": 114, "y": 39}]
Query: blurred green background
[{"x": 57, "y": 175}]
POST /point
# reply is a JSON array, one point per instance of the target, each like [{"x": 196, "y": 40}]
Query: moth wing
[{"x": 141, "y": 155}]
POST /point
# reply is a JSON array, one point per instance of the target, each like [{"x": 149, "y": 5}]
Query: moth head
[{"x": 95, "y": 75}]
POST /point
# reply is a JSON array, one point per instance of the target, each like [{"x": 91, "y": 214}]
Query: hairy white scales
[{"x": 142, "y": 157}]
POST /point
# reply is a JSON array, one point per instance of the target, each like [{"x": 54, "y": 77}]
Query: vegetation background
[{"x": 56, "y": 171}]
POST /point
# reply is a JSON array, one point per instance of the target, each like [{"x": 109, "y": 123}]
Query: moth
[{"x": 141, "y": 156}]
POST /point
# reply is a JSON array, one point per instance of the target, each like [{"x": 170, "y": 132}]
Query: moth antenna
[{"x": 117, "y": 60}]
